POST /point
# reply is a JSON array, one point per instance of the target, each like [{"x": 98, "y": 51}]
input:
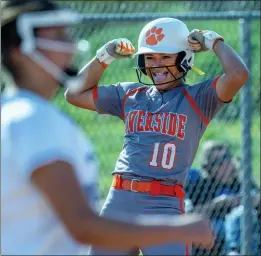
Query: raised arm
[
  {"x": 83, "y": 98},
  {"x": 235, "y": 71},
  {"x": 93, "y": 71}
]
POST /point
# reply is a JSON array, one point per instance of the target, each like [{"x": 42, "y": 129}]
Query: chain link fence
[
  {"x": 210, "y": 190},
  {"x": 233, "y": 134},
  {"x": 214, "y": 184}
]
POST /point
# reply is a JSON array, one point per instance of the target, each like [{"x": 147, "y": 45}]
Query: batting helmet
[
  {"x": 19, "y": 22},
  {"x": 165, "y": 35}
]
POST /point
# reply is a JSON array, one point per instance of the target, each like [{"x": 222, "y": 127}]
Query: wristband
[{"x": 104, "y": 57}]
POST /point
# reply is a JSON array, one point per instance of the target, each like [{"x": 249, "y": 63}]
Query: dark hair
[
  {"x": 10, "y": 39},
  {"x": 213, "y": 154}
]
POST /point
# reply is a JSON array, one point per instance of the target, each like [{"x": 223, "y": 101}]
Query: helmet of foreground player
[
  {"x": 29, "y": 15},
  {"x": 165, "y": 35}
]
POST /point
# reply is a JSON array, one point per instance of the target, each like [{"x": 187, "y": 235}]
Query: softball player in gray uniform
[{"x": 163, "y": 122}]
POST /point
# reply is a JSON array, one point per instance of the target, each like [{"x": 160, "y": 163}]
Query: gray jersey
[{"x": 162, "y": 130}]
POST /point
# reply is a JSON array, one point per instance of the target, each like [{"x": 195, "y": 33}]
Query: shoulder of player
[
  {"x": 200, "y": 85},
  {"x": 130, "y": 86},
  {"x": 28, "y": 115},
  {"x": 22, "y": 111}
]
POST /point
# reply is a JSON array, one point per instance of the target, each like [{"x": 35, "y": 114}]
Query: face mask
[{"x": 27, "y": 22}]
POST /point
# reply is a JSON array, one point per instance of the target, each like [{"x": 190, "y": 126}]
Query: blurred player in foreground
[
  {"x": 45, "y": 157},
  {"x": 164, "y": 122}
]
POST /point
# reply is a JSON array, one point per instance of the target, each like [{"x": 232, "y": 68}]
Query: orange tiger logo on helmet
[{"x": 154, "y": 36}]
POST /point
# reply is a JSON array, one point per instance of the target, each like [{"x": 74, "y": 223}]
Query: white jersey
[{"x": 35, "y": 133}]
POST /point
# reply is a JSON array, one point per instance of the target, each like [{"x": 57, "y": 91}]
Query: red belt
[{"x": 154, "y": 188}]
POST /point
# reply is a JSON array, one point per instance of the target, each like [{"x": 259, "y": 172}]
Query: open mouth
[{"x": 160, "y": 76}]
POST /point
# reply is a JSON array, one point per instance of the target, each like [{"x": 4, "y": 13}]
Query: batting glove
[
  {"x": 203, "y": 40},
  {"x": 115, "y": 49}
]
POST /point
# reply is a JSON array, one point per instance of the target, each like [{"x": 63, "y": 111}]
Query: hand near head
[
  {"x": 120, "y": 48},
  {"x": 115, "y": 49},
  {"x": 203, "y": 40}
]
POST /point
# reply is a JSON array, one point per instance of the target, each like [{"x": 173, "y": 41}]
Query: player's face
[
  {"x": 60, "y": 59},
  {"x": 156, "y": 69},
  {"x": 46, "y": 84}
]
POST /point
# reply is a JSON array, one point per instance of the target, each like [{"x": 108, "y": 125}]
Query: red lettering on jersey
[
  {"x": 158, "y": 121},
  {"x": 131, "y": 118},
  {"x": 148, "y": 122},
  {"x": 165, "y": 123},
  {"x": 172, "y": 124},
  {"x": 140, "y": 127},
  {"x": 181, "y": 126}
]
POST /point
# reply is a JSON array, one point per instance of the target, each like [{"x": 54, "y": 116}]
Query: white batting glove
[
  {"x": 203, "y": 40},
  {"x": 115, "y": 49}
]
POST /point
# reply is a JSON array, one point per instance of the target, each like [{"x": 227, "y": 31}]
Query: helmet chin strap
[
  {"x": 151, "y": 76},
  {"x": 54, "y": 45},
  {"x": 27, "y": 22}
]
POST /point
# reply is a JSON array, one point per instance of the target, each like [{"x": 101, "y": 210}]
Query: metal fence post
[{"x": 246, "y": 118}]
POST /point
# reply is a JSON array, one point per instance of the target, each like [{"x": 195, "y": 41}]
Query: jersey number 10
[{"x": 168, "y": 157}]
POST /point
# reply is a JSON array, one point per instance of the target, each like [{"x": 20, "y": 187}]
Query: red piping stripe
[
  {"x": 95, "y": 93},
  {"x": 214, "y": 85},
  {"x": 127, "y": 95},
  {"x": 193, "y": 104}
]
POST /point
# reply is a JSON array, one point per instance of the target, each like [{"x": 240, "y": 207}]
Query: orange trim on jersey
[
  {"x": 214, "y": 84},
  {"x": 127, "y": 95},
  {"x": 194, "y": 105},
  {"x": 95, "y": 93}
]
